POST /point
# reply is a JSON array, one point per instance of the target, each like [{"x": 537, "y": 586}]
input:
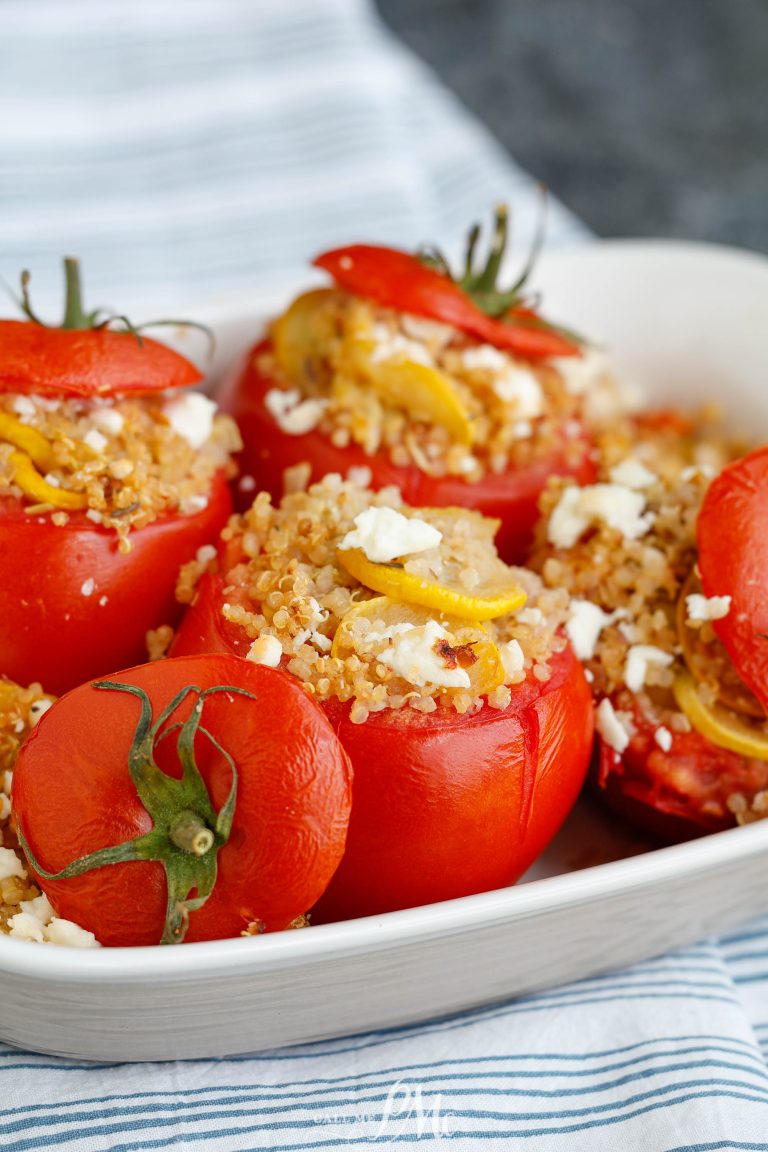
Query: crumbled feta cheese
[
  {"x": 384, "y": 534},
  {"x": 265, "y": 650},
  {"x": 390, "y": 345},
  {"x": 632, "y": 474},
  {"x": 103, "y": 601},
  {"x": 610, "y": 726},
  {"x": 579, "y": 508},
  {"x": 521, "y": 429},
  {"x": 24, "y": 407},
  {"x": 7, "y": 780},
  {"x": 485, "y": 358},
  {"x": 87, "y": 587},
  {"x": 69, "y": 935},
  {"x": 108, "y": 420},
  {"x": 95, "y": 441},
  {"x": 24, "y": 926},
  {"x": 580, "y": 373},
  {"x": 52, "y": 480},
  {"x": 639, "y": 656},
  {"x": 121, "y": 469},
  {"x": 360, "y": 477},
  {"x": 10, "y": 865},
  {"x": 413, "y": 656},
  {"x": 519, "y": 386},
  {"x": 191, "y": 417},
  {"x": 5, "y": 806},
  {"x": 205, "y": 553},
  {"x": 192, "y": 504},
  {"x": 94, "y": 515},
  {"x": 663, "y": 738},
  {"x": 427, "y": 331},
  {"x": 585, "y": 623},
  {"x": 38, "y": 709},
  {"x": 701, "y": 608},
  {"x": 512, "y": 659},
  {"x": 530, "y": 616},
  {"x": 293, "y": 415},
  {"x": 40, "y": 908},
  {"x": 246, "y": 483}
]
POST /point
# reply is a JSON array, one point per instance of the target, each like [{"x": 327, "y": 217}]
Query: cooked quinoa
[
  {"x": 131, "y": 460},
  {"x": 290, "y": 594},
  {"x": 624, "y": 550},
  {"x": 519, "y": 412}
]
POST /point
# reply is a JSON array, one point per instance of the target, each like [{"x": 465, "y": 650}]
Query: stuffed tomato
[
  {"x": 669, "y": 599},
  {"x": 444, "y": 672},
  {"x": 112, "y": 474},
  {"x": 457, "y": 392}
]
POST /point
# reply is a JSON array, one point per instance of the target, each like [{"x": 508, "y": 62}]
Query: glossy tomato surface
[
  {"x": 676, "y": 794},
  {"x": 444, "y": 805},
  {"x": 73, "y": 794},
  {"x": 72, "y": 607},
  {"x": 733, "y": 561},
  {"x": 448, "y": 805},
  {"x": 512, "y": 497}
]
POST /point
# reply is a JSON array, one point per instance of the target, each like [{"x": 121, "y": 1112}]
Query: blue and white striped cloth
[{"x": 200, "y": 150}]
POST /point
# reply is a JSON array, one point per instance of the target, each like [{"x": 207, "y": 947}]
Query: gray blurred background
[{"x": 647, "y": 117}]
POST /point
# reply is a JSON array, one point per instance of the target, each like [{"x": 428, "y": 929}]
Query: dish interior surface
[{"x": 598, "y": 898}]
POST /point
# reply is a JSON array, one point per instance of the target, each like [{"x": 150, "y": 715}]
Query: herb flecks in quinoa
[
  {"x": 290, "y": 585},
  {"x": 130, "y": 461},
  {"x": 514, "y": 413}
]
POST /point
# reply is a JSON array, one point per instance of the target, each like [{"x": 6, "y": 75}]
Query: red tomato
[
  {"x": 677, "y": 794},
  {"x": 50, "y": 630},
  {"x": 90, "y": 362},
  {"x": 444, "y": 805},
  {"x": 512, "y": 497},
  {"x": 733, "y": 560},
  {"x": 73, "y": 794},
  {"x": 401, "y": 281}
]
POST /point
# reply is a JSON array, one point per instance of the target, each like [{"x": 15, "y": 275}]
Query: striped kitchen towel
[{"x": 195, "y": 152}]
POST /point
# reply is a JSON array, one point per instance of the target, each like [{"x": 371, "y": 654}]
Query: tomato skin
[
  {"x": 673, "y": 795},
  {"x": 73, "y": 794},
  {"x": 71, "y": 362},
  {"x": 52, "y": 633},
  {"x": 733, "y": 561},
  {"x": 399, "y": 280},
  {"x": 512, "y": 497},
  {"x": 444, "y": 805},
  {"x": 447, "y": 805}
]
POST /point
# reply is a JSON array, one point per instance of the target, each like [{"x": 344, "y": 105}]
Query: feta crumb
[
  {"x": 390, "y": 345},
  {"x": 701, "y": 608},
  {"x": 68, "y": 934},
  {"x": 121, "y": 469},
  {"x": 40, "y": 908},
  {"x": 103, "y": 601},
  {"x": 192, "y": 504},
  {"x": 246, "y": 483},
  {"x": 5, "y": 806},
  {"x": 384, "y": 534},
  {"x": 579, "y": 508},
  {"x": 95, "y": 441},
  {"x": 87, "y": 587},
  {"x": 485, "y": 358},
  {"x": 10, "y": 865},
  {"x": 519, "y": 386},
  {"x": 632, "y": 474},
  {"x": 24, "y": 926},
  {"x": 361, "y": 477},
  {"x": 610, "y": 727},
  {"x": 512, "y": 659},
  {"x": 191, "y": 417},
  {"x": 639, "y": 656},
  {"x": 265, "y": 650},
  {"x": 108, "y": 420},
  {"x": 293, "y": 415},
  {"x": 427, "y": 331},
  {"x": 580, "y": 373},
  {"x": 530, "y": 616},
  {"x": 205, "y": 553},
  {"x": 38, "y": 709},
  {"x": 24, "y": 407},
  {"x": 663, "y": 738},
  {"x": 52, "y": 480},
  {"x": 413, "y": 656},
  {"x": 94, "y": 515},
  {"x": 7, "y": 780},
  {"x": 585, "y": 623}
]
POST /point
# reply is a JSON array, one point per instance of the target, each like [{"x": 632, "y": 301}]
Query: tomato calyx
[
  {"x": 76, "y": 318},
  {"x": 187, "y": 832}
]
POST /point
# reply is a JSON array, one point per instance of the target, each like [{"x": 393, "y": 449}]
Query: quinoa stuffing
[
  {"x": 123, "y": 462},
  {"x": 463, "y": 642},
  {"x": 424, "y": 392}
]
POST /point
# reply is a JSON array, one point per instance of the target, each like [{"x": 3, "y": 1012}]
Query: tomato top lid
[
  {"x": 473, "y": 301},
  {"x": 85, "y": 356}
]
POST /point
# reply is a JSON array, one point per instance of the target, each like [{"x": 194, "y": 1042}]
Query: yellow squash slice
[
  {"x": 718, "y": 725},
  {"x": 483, "y": 603},
  {"x": 477, "y": 654},
  {"x": 303, "y": 335}
]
